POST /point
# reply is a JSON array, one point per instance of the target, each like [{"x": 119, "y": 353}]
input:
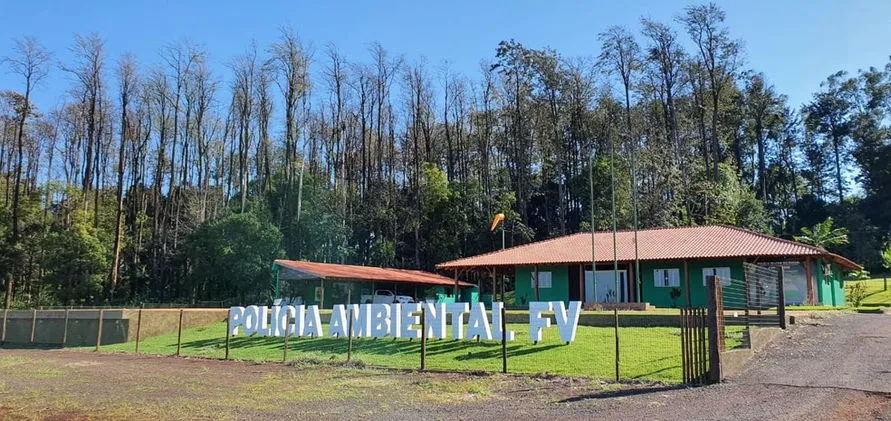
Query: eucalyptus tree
[
  {"x": 620, "y": 54},
  {"x": 30, "y": 61},
  {"x": 763, "y": 111},
  {"x": 127, "y": 86},
  {"x": 720, "y": 58},
  {"x": 829, "y": 116}
]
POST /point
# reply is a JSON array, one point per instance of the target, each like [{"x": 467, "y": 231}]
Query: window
[
  {"x": 544, "y": 280},
  {"x": 667, "y": 277},
  {"x": 722, "y": 273}
]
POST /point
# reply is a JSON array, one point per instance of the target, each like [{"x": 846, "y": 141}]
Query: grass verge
[{"x": 646, "y": 353}]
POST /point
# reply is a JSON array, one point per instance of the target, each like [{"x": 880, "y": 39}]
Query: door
[{"x": 606, "y": 287}]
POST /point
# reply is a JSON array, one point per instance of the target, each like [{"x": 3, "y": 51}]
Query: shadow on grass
[
  {"x": 623, "y": 393},
  {"x": 651, "y": 374},
  {"x": 374, "y": 346}
]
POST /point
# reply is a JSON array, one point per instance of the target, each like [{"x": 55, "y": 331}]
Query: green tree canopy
[
  {"x": 823, "y": 235},
  {"x": 77, "y": 264},
  {"x": 232, "y": 256}
]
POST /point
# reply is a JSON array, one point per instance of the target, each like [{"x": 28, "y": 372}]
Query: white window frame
[
  {"x": 725, "y": 280},
  {"x": 674, "y": 277},
  {"x": 545, "y": 280}
]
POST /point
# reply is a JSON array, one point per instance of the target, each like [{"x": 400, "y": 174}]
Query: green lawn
[
  {"x": 876, "y": 296},
  {"x": 646, "y": 353}
]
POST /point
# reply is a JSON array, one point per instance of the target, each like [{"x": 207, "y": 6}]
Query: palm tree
[
  {"x": 823, "y": 235},
  {"x": 886, "y": 257}
]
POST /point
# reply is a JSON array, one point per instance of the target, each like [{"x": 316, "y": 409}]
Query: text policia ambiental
[{"x": 401, "y": 320}]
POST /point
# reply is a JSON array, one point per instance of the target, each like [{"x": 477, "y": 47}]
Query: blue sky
[{"x": 795, "y": 43}]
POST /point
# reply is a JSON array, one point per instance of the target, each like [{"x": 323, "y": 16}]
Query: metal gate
[{"x": 694, "y": 345}]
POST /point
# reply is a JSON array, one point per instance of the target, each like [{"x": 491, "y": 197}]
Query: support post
[
  {"x": 287, "y": 333},
  {"x": 502, "y": 287},
  {"x": 632, "y": 285},
  {"x": 423, "y": 339},
  {"x": 781, "y": 297},
  {"x": 503, "y": 340},
  {"x": 715, "y": 332},
  {"x": 65, "y": 328},
  {"x": 809, "y": 276},
  {"x": 350, "y": 334},
  {"x": 687, "y": 284},
  {"x": 138, "y": 327},
  {"x": 99, "y": 328},
  {"x": 536, "y": 283},
  {"x": 179, "y": 334},
  {"x": 5, "y": 317},
  {"x": 33, "y": 325},
  {"x": 228, "y": 325},
  {"x": 456, "y": 285},
  {"x": 616, "y": 316},
  {"x": 493, "y": 284}
]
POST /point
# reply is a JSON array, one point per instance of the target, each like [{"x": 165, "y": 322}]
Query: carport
[{"x": 326, "y": 284}]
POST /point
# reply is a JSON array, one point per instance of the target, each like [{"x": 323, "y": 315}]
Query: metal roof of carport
[{"x": 316, "y": 270}]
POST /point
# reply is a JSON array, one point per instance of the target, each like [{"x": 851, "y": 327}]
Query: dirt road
[{"x": 833, "y": 368}]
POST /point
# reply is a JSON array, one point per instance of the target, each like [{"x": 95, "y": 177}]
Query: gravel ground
[{"x": 834, "y": 367}]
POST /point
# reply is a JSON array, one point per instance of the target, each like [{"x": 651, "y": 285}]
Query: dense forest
[{"x": 159, "y": 180}]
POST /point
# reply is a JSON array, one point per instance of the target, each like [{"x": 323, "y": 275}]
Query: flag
[{"x": 496, "y": 221}]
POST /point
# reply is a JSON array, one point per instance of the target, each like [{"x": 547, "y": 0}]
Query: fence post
[
  {"x": 99, "y": 328},
  {"x": 616, "y": 316},
  {"x": 5, "y": 316},
  {"x": 423, "y": 339},
  {"x": 350, "y": 334},
  {"x": 138, "y": 326},
  {"x": 715, "y": 333},
  {"x": 179, "y": 334},
  {"x": 503, "y": 340},
  {"x": 287, "y": 333},
  {"x": 65, "y": 328},
  {"x": 227, "y": 338},
  {"x": 781, "y": 297},
  {"x": 33, "y": 325}
]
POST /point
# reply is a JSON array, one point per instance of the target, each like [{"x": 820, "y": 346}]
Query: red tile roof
[
  {"x": 367, "y": 273},
  {"x": 702, "y": 242}
]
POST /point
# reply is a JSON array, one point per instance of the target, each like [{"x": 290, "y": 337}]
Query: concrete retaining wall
[
  {"x": 733, "y": 361},
  {"x": 118, "y": 325}
]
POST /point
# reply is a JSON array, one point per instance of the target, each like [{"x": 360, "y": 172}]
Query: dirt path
[{"x": 836, "y": 368}]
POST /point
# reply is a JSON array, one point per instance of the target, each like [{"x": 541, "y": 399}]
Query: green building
[{"x": 673, "y": 262}]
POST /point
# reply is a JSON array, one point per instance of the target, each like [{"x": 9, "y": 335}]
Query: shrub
[
  {"x": 674, "y": 293},
  {"x": 856, "y": 293}
]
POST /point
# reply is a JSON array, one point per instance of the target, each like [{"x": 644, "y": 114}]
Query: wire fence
[
  {"x": 607, "y": 345},
  {"x": 754, "y": 301}
]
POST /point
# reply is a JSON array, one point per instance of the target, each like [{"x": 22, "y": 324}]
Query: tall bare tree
[
  {"x": 127, "y": 86},
  {"x": 31, "y": 62}
]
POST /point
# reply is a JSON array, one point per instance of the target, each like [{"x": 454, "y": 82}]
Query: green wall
[
  {"x": 830, "y": 288},
  {"x": 660, "y": 296},
  {"x": 559, "y": 290}
]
